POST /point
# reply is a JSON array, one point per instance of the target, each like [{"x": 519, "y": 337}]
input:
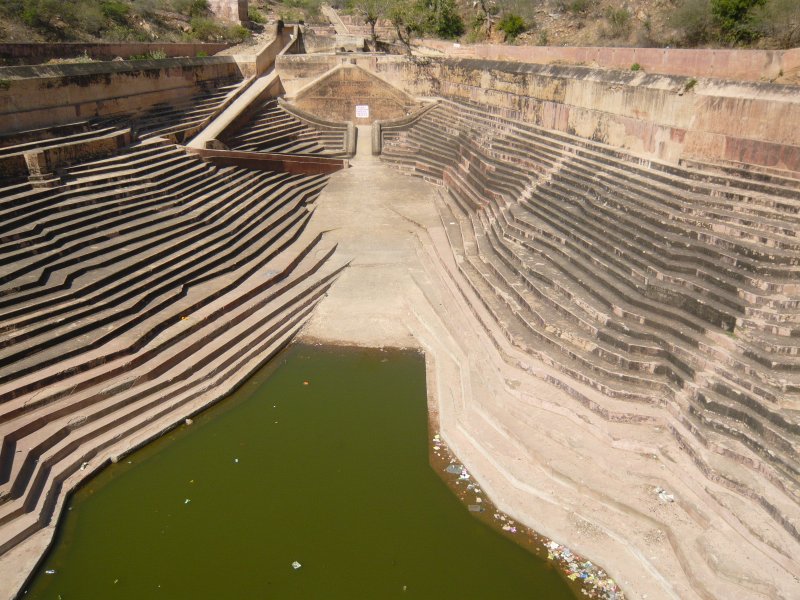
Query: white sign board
[{"x": 362, "y": 111}]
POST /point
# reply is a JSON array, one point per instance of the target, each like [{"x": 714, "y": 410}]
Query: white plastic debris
[
  {"x": 296, "y": 565},
  {"x": 186, "y": 501},
  {"x": 50, "y": 571},
  {"x": 664, "y": 496}
]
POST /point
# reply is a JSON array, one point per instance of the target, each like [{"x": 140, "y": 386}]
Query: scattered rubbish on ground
[
  {"x": 590, "y": 574},
  {"x": 595, "y": 583},
  {"x": 664, "y": 496},
  {"x": 84, "y": 465},
  {"x": 296, "y": 565}
]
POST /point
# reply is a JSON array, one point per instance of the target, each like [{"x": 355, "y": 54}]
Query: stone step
[
  {"x": 35, "y": 432},
  {"x": 61, "y": 459},
  {"x": 40, "y": 345}
]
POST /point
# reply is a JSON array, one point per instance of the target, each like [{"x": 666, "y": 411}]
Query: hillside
[
  {"x": 648, "y": 23},
  {"x": 113, "y": 21}
]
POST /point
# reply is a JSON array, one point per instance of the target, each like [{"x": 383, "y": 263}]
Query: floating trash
[
  {"x": 186, "y": 501},
  {"x": 51, "y": 571},
  {"x": 296, "y": 565}
]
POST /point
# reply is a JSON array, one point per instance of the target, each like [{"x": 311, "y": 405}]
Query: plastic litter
[
  {"x": 50, "y": 571},
  {"x": 296, "y": 565},
  {"x": 475, "y": 508},
  {"x": 590, "y": 574},
  {"x": 186, "y": 501},
  {"x": 453, "y": 469},
  {"x": 664, "y": 496}
]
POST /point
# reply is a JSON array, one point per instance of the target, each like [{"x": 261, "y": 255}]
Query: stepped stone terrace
[{"x": 601, "y": 266}]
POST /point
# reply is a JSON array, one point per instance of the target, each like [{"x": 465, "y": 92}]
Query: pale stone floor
[{"x": 542, "y": 457}]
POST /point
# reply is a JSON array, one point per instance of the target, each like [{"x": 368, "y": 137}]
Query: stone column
[{"x": 230, "y": 10}]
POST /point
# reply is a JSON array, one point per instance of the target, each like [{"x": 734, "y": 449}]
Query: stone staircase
[
  {"x": 655, "y": 284},
  {"x": 274, "y": 129},
  {"x": 136, "y": 290}
]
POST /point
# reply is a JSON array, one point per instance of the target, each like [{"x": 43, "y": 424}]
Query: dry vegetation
[
  {"x": 113, "y": 20},
  {"x": 681, "y": 23}
]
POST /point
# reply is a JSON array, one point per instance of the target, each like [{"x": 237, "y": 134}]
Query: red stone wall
[{"x": 748, "y": 65}]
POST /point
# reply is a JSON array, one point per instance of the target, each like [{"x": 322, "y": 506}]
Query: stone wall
[
  {"x": 750, "y": 65},
  {"x": 230, "y": 10},
  {"x": 658, "y": 116},
  {"x": 31, "y": 54},
  {"x": 349, "y": 93},
  {"x": 43, "y": 96}
]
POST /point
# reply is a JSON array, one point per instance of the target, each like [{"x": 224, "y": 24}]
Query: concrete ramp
[{"x": 265, "y": 86}]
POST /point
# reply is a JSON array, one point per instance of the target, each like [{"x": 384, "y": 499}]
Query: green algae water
[{"x": 320, "y": 458}]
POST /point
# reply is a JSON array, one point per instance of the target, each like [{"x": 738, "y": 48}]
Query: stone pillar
[{"x": 230, "y": 10}]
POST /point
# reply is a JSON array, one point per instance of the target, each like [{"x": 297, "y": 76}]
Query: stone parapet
[{"x": 749, "y": 65}]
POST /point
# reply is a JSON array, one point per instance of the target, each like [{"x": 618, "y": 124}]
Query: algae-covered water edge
[{"x": 320, "y": 459}]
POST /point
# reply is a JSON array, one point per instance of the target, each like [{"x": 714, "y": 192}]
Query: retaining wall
[
  {"x": 659, "y": 116},
  {"x": 750, "y": 65},
  {"x": 30, "y": 54},
  {"x": 42, "y": 96}
]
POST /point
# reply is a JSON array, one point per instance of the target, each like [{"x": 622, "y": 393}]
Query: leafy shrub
[
  {"x": 636, "y": 67},
  {"x": 779, "y": 20},
  {"x": 115, "y": 10},
  {"x": 693, "y": 20},
  {"x": 512, "y": 25},
  {"x": 255, "y": 15},
  {"x": 543, "y": 38},
  {"x": 733, "y": 18},
  {"x": 208, "y": 30},
  {"x": 577, "y": 7},
  {"x": 620, "y": 21}
]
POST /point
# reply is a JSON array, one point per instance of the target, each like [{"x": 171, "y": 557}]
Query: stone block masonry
[
  {"x": 663, "y": 117},
  {"x": 230, "y": 10}
]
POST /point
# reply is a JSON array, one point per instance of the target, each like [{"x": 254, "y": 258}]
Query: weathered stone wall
[
  {"x": 31, "y": 54},
  {"x": 749, "y": 65},
  {"x": 43, "y": 96},
  {"x": 230, "y": 10},
  {"x": 336, "y": 96},
  {"x": 659, "y": 116}
]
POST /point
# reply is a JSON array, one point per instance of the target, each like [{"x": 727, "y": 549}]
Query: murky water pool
[{"x": 320, "y": 460}]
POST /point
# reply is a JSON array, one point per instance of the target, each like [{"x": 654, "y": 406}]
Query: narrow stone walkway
[{"x": 373, "y": 212}]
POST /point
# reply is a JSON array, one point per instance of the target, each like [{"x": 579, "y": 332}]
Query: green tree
[
  {"x": 371, "y": 11},
  {"x": 409, "y": 20},
  {"x": 512, "y": 25},
  {"x": 443, "y": 19},
  {"x": 733, "y": 18}
]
